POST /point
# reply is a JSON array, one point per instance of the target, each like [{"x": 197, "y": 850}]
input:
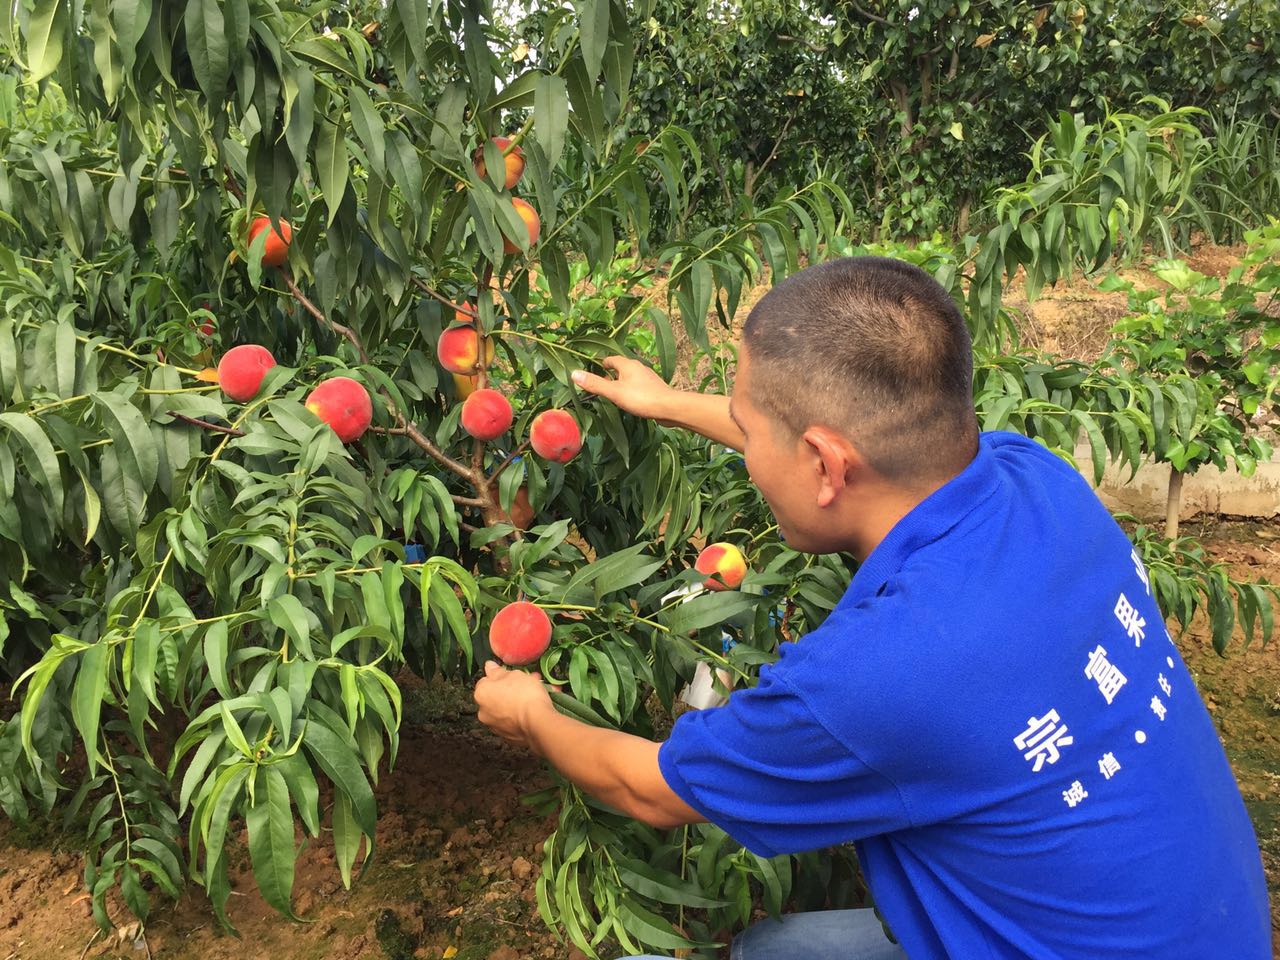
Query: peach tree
[{"x": 207, "y": 591}]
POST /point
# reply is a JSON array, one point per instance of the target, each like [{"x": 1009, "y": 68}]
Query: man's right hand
[{"x": 637, "y": 389}]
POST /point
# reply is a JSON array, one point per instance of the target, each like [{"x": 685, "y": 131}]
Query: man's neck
[{"x": 887, "y": 506}]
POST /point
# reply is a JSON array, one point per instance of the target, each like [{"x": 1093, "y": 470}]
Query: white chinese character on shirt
[
  {"x": 1141, "y": 570},
  {"x": 1132, "y": 621},
  {"x": 1075, "y": 793},
  {"x": 1106, "y": 674},
  {"x": 1042, "y": 738},
  {"x": 1158, "y": 708},
  {"x": 1108, "y": 765},
  {"x": 1165, "y": 685}
]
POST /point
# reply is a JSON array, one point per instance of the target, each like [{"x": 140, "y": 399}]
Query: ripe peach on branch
[
  {"x": 486, "y": 414},
  {"x": 724, "y": 564},
  {"x": 276, "y": 250},
  {"x": 344, "y": 405},
  {"x": 458, "y": 349},
  {"x": 520, "y": 633},
  {"x": 513, "y": 158},
  {"x": 532, "y": 223},
  {"x": 554, "y": 435},
  {"x": 242, "y": 369}
]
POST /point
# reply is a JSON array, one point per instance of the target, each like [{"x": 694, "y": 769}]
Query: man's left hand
[{"x": 509, "y": 700}]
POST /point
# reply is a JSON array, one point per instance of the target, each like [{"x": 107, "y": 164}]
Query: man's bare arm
[
  {"x": 640, "y": 391},
  {"x": 614, "y": 767}
]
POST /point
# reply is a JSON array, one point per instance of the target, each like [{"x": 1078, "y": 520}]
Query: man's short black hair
[{"x": 874, "y": 348}]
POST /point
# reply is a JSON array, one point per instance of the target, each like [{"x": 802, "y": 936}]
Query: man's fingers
[
  {"x": 491, "y": 667},
  {"x": 593, "y": 384}
]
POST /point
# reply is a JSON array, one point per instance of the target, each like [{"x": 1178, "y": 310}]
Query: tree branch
[
  {"x": 785, "y": 38},
  {"x": 333, "y": 325},
  {"x": 460, "y": 308},
  {"x": 511, "y": 458},
  {"x": 782, "y": 135},
  {"x": 205, "y": 424},
  {"x": 869, "y": 15}
]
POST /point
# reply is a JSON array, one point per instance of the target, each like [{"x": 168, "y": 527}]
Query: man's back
[{"x": 995, "y": 713}]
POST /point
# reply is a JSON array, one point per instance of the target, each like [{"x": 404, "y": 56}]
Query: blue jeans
[{"x": 820, "y": 935}]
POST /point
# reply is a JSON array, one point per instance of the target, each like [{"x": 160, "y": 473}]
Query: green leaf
[
  {"x": 42, "y": 462},
  {"x": 133, "y": 442},
  {"x": 649, "y": 928},
  {"x": 215, "y": 657},
  {"x": 233, "y": 731},
  {"x": 130, "y": 18},
  {"x": 706, "y": 610},
  {"x": 45, "y": 31},
  {"x": 92, "y": 508},
  {"x": 271, "y": 851},
  {"x": 593, "y": 24},
  {"x": 416, "y": 18},
  {"x": 287, "y": 613},
  {"x": 207, "y": 47},
  {"x": 551, "y": 115},
  {"x": 346, "y": 837},
  {"x": 655, "y": 884},
  {"x": 369, "y": 128},
  {"x": 87, "y": 698},
  {"x": 1097, "y": 445},
  {"x": 339, "y": 763},
  {"x": 332, "y": 165},
  {"x": 303, "y": 788}
]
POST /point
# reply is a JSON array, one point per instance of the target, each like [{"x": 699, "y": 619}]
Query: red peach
[
  {"x": 486, "y": 414},
  {"x": 276, "y": 250},
  {"x": 554, "y": 435},
  {"x": 723, "y": 559},
  {"x": 520, "y": 633},
  {"x": 241, "y": 369},
  {"x": 458, "y": 350},
  {"x": 514, "y": 160},
  {"x": 343, "y": 404},
  {"x": 532, "y": 223}
]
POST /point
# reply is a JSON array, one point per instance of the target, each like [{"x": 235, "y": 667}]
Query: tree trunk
[
  {"x": 962, "y": 221},
  {"x": 1173, "y": 504}
]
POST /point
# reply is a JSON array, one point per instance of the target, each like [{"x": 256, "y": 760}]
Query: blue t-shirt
[{"x": 995, "y": 713}]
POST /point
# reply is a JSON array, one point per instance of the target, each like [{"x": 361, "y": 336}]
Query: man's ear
[{"x": 836, "y": 460}]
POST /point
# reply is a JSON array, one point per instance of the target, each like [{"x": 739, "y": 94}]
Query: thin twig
[
  {"x": 459, "y": 307},
  {"x": 205, "y": 424},
  {"x": 333, "y": 325},
  {"x": 96, "y": 934},
  {"x": 868, "y": 14},
  {"x": 468, "y": 501},
  {"x": 232, "y": 184},
  {"x": 511, "y": 457}
]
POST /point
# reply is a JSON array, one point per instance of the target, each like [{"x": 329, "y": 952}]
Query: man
[{"x": 993, "y": 713}]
